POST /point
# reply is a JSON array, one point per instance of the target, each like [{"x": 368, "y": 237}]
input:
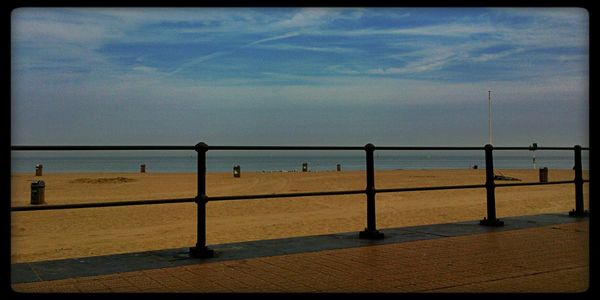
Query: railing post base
[
  {"x": 492, "y": 223},
  {"x": 201, "y": 252},
  {"x": 370, "y": 234},
  {"x": 577, "y": 214}
]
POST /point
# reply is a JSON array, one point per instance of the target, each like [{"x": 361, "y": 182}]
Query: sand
[{"x": 71, "y": 233}]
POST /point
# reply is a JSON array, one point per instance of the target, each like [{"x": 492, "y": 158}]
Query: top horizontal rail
[
  {"x": 426, "y": 148},
  {"x": 539, "y": 148},
  {"x": 147, "y": 147},
  {"x": 181, "y": 147},
  {"x": 72, "y": 147},
  {"x": 286, "y": 148}
]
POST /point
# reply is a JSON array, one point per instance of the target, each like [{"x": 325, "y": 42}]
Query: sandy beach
[{"x": 45, "y": 235}]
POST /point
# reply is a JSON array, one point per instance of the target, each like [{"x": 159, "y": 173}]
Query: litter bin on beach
[
  {"x": 544, "y": 174},
  {"x": 236, "y": 171},
  {"x": 37, "y": 192},
  {"x": 38, "y": 169}
]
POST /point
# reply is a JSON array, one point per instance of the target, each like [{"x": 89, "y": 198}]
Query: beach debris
[
  {"x": 503, "y": 177},
  {"x": 280, "y": 171},
  {"x": 103, "y": 180},
  {"x": 508, "y": 178},
  {"x": 475, "y": 167}
]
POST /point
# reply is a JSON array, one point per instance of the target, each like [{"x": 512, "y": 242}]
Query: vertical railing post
[
  {"x": 490, "y": 187},
  {"x": 200, "y": 250},
  {"x": 578, "y": 211},
  {"x": 371, "y": 231}
]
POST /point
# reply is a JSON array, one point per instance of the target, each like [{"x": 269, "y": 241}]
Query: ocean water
[{"x": 290, "y": 161}]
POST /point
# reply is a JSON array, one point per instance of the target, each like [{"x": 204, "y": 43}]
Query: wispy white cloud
[
  {"x": 198, "y": 60},
  {"x": 495, "y": 56},
  {"x": 307, "y": 17},
  {"x": 574, "y": 57},
  {"x": 571, "y": 16},
  {"x": 204, "y": 58},
  {"x": 72, "y": 37},
  {"x": 447, "y": 30},
  {"x": 316, "y": 17},
  {"x": 273, "y": 38},
  {"x": 54, "y": 26},
  {"x": 291, "y": 47}
]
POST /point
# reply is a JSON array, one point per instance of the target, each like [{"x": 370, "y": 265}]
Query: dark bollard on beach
[
  {"x": 544, "y": 174},
  {"x": 38, "y": 169},
  {"x": 37, "y": 192},
  {"x": 236, "y": 171}
]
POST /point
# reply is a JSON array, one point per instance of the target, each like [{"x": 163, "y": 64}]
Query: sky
[{"x": 299, "y": 76}]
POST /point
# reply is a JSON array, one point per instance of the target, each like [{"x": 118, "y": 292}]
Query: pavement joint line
[
  {"x": 505, "y": 278},
  {"x": 152, "y": 260},
  {"x": 436, "y": 234},
  {"x": 36, "y": 273}
]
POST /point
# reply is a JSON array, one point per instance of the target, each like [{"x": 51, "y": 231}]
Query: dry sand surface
[{"x": 69, "y": 233}]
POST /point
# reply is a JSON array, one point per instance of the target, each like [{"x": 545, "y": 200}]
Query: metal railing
[{"x": 370, "y": 232}]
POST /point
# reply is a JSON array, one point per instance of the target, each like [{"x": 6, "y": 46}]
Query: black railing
[{"x": 370, "y": 232}]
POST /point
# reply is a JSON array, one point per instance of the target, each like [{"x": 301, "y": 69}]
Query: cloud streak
[
  {"x": 274, "y": 38},
  {"x": 90, "y": 29}
]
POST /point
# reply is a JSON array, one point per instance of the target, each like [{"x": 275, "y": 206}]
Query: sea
[{"x": 283, "y": 161}]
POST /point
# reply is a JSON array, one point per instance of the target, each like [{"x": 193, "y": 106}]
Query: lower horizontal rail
[
  {"x": 534, "y": 183},
  {"x": 101, "y": 204},
  {"x": 289, "y": 195},
  {"x": 473, "y": 186},
  {"x": 430, "y": 188},
  {"x": 268, "y": 196}
]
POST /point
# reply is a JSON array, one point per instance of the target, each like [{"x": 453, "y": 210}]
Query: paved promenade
[{"x": 542, "y": 253}]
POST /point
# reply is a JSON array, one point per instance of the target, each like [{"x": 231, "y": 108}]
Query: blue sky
[{"x": 289, "y": 76}]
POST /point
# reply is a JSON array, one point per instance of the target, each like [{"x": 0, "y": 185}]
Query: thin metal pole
[
  {"x": 490, "y": 187},
  {"x": 578, "y": 212},
  {"x": 200, "y": 250},
  {"x": 490, "y": 116},
  {"x": 371, "y": 231}
]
